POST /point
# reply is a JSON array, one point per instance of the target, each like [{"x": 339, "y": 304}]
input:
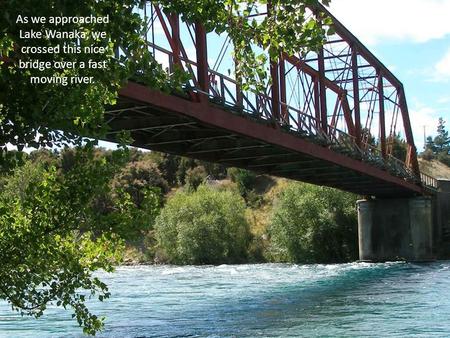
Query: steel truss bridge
[{"x": 316, "y": 122}]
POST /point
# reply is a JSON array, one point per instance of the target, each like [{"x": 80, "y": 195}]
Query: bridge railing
[
  {"x": 224, "y": 90},
  {"x": 428, "y": 181}
]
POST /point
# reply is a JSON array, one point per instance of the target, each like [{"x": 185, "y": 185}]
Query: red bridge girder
[{"x": 323, "y": 136}]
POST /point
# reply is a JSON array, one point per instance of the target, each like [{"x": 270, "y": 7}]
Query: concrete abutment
[
  {"x": 412, "y": 229},
  {"x": 395, "y": 229}
]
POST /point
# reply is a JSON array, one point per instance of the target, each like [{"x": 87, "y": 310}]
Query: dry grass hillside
[{"x": 434, "y": 169}]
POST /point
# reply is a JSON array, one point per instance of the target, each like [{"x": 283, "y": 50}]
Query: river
[{"x": 267, "y": 300}]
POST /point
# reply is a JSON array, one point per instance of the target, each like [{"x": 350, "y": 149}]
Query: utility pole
[{"x": 424, "y": 137}]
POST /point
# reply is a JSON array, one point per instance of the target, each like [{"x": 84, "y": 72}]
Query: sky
[{"x": 412, "y": 38}]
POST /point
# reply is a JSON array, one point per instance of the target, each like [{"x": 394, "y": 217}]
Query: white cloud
[
  {"x": 442, "y": 68},
  {"x": 444, "y": 100},
  {"x": 412, "y": 20},
  {"x": 423, "y": 117},
  {"x": 438, "y": 72}
]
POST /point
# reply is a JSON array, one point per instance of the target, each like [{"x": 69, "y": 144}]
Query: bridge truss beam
[{"x": 340, "y": 104}]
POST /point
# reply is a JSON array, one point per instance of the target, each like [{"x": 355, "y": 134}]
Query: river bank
[{"x": 262, "y": 197}]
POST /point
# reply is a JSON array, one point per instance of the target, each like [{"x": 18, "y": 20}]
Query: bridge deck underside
[{"x": 199, "y": 130}]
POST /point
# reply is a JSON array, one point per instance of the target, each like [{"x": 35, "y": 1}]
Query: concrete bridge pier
[
  {"x": 441, "y": 235},
  {"x": 395, "y": 229}
]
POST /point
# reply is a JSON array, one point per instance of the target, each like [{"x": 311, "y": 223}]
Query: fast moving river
[{"x": 270, "y": 300}]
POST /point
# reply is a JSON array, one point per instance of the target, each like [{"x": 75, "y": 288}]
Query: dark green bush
[
  {"x": 427, "y": 155},
  {"x": 167, "y": 163},
  {"x": 214, "y": 170},
  {"x": 244, "y": 179},
  {"x": 184, "y": 165},
  {"x": 195, "y": 177},
  {"x": 204, "y": 227},
  {"x": 444, "y": 158},
  {"x": 43, "y": 156},
  {"x": 253, "y": 199},
  {"x": 137, "y": 177},
  {"x": 314, "y": 224}
]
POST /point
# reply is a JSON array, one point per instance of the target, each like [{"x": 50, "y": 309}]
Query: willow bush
[
  {"x": 312, "y": 224},
  {"x": 203, "y": 227}
]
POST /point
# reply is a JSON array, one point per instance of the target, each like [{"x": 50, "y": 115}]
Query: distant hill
[{"x": 434, "y": 168}]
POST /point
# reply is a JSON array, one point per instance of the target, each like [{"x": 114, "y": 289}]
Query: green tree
[
  {"x": 12, "y": 159},
  {"x": 214, "y": 170},
  {"x": 312, "y": 224},
  {"x": 397, "y": 146},
  {"x": 439, "y": 147},
  {"x": 368, "y": 138},
  {"x": 287, "y": 29},
  {"x": 204, "y": 227},
  {"x": 44, "y": 156},
  {"x": 136, "y": 177},
  {"x": 429, "y": 145},
  {"x": 168, "y": 165},
  {"x": 118, "y": 213},
  {"x": 184, "y": 166},
  {"x": 442, "y": 140},
  {"x": 244, "y": 179},
  {"x": 195, "y": 177},
  {"x": 136, "y": 196},
  {"x": 49, "y": 249},
  {"x": 427, "y": 154}
]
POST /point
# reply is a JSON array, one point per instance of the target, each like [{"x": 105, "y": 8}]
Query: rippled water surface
[{"x": 270, "y": 300}]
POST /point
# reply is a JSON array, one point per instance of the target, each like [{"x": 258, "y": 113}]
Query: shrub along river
[{"x": 268, "y": 300}]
